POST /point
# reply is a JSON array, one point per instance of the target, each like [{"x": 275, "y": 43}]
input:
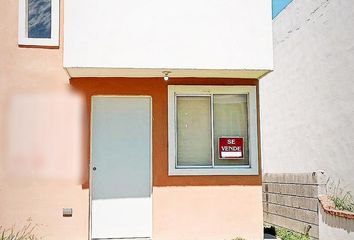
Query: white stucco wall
[
  {"x": 168, "y": 34},
  {"x": 307, "y": 103},
  {"x": 332, "y": 227}
]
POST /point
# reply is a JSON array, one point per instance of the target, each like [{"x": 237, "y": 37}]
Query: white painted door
[{"x": 121, "y": 167}]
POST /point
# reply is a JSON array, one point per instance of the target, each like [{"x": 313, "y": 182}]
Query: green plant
[
  {"x": 285, "y": 234},
  {"x": 26, "y": 233},
  {"x": 342, "y": 200}
]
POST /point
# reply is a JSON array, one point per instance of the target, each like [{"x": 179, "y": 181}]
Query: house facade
[{"x": 133, "y": 119}]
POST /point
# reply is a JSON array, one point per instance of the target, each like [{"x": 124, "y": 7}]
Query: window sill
[
  {"x": 38, "y": 42},
  {"x": 37, "y": 46},
  {"x": 227, "y": 171}
]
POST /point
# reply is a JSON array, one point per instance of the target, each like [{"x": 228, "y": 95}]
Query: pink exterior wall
[
  {"x": 188, "y": 212},
  {"x": 188, "y": 207},
  {"x": 26, "y": 70},
  {"x": 207, "y": 212}
]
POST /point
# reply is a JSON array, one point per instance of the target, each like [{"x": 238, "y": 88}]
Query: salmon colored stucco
[
  {"x": 207, "y": 213},
  {"x": 34, "y": 70},
  {"x": 189, "y": 207},
  {"x": 157, "y": 89}
]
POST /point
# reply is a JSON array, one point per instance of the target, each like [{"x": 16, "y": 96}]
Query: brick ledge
[{"x": 330, "y": 208}]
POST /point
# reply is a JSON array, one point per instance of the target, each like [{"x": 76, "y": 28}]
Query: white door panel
[
  {"x": 129, "y": 216},
  {"x": 121, "y": 156}
]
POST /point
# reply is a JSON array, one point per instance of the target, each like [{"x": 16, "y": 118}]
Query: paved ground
[{"x": 268, "y": 236}]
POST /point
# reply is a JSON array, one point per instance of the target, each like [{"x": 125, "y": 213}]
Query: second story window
[{"x": 39, "y": 22}]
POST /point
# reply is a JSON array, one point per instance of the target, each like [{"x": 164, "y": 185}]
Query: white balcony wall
[{"x": 220, "y": 38}]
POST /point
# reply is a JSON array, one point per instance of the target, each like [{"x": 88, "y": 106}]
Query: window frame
[
  {"x": 185, "y": 90},
  {"x": 23, "y": 38}
]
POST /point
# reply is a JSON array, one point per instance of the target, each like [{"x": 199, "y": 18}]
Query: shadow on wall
[{"x": 337, "y": 222}]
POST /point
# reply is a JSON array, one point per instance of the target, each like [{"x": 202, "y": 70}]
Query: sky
[
  {"x": 278, "y": 6},
  {"x": 39, "y": 18}
]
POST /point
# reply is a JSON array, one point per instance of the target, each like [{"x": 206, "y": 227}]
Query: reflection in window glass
[
  {"x": 39, "y": 18},
  {"x": 230, "y": 120},
  {"x": 193, "y": 131}
]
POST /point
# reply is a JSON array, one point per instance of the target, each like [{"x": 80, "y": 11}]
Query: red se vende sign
[{"x": 231, "y": 148}]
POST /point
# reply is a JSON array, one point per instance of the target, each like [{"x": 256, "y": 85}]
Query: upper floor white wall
[{"x": 216, "y": 37}]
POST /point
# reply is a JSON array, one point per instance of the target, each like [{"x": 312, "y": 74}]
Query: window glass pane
[
  {"x": 230, "y": 120},
  {"x": 39, "y": 18},
  {"x": 193, "y": 131}
]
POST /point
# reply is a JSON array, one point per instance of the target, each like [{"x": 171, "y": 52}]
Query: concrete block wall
[{"x": 291, "y": 201}]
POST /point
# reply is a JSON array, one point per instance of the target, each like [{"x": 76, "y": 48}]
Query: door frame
[{"x": 90, "y": 159}]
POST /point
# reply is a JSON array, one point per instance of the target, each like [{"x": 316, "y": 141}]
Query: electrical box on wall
[{"x": 67, "y": 212}]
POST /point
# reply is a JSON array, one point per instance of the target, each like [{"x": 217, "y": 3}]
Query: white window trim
[
  {"x": 251, "y": 169},
  {"x": 22, "y": 26}
]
